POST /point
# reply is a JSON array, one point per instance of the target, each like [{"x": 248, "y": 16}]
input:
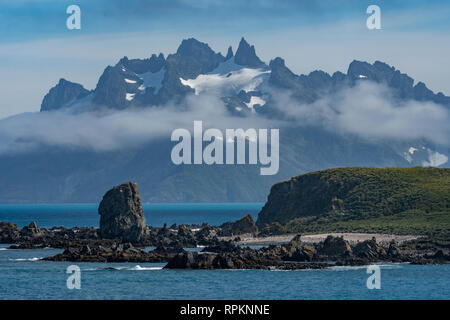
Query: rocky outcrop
[
  {"x": 121, "y": 214},
  {"x": 85, "y": 245},
  {"x": 9, "y": 232},
  {"x": 241, "y": 226},
  {"x": 243, "y": 259},
  {"x": 335, "y": 247},
  {"x": 272, "y": 229},
  {"x": 207, "y": 234},
  {"x": 186, "y": 236},
  {"x": 371, "y": 250},
  {"x": 32, "y": 231},
  {"x": 115, "y": 252}
]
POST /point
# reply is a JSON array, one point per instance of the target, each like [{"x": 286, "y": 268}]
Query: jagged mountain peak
[
  {"x": 139, "y": 66},
  {"x": 156, "y": 80},
  {"x": 277, "y": 62},
  {"x": 62, "y": 94},
  {"x": 192, "y": 47},
  {"x": 246, "y": 55},
  {"x": 230, "y": 53}
]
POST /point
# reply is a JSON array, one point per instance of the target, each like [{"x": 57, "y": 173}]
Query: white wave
[
  {"x": 92, "y": 269},
  {"x": 136, "y": 268},
  {"x": 3, "y": 249},
  {"x": 27, "y": 259},
  {"x": 382, "y": 266}
]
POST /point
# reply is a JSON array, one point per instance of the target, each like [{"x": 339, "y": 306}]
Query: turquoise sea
[
  {"x": 156, "y": 214},
  {"x": 24, "y": 276}
]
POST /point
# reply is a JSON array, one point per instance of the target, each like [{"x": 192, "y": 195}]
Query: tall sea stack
[{"x": 121, "y": 214}]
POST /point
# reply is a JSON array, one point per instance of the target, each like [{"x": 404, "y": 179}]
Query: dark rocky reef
[
  {"x": 241, "y": 226},
  {"x": 333, "y": 251},
  {"x": 85, "y": 245},
  {"x": 9, "y": 232},
  {"x": 114, "y": 252}
]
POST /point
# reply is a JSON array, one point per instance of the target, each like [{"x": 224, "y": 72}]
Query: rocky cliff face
[{"x": 121, "y": 214}]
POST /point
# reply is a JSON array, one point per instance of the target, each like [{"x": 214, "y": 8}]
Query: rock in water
[
  {"x": 9, "y": 232},
  {"x": 241, "y": 226},
  {"x": 121, "y": 214},
  {"x": 335, "y": 246}
]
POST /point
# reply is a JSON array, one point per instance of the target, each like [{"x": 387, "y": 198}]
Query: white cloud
[
  {"x": 115, "y": 130},
  {"x": 366, "y": 110},
  {"x": 369, "y": 110}
]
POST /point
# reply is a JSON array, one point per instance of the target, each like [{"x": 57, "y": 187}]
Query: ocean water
[
  {"x": 156, "y": 214},
  {"x": 24, "y": 276}
]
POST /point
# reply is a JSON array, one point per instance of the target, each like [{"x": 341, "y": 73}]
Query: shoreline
[{"x": 352, "y": 238}]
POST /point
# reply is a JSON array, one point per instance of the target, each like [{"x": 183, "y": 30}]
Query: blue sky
[
  {"x": 37, "y": 49},
  {"x": 40, "y": 19}
]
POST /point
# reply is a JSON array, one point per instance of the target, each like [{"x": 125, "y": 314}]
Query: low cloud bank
[
  {"x": 368, "y": 110},
  {"x": 115, "y": 130},
  {"x": 371, "y": 111}
]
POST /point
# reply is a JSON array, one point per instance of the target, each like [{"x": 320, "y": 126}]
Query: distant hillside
[{"x": 362, "y": 199}]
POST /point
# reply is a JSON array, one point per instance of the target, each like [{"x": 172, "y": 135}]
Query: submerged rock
[{"x": 121, "y": 214}]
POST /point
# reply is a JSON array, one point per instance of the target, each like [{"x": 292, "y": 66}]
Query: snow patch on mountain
[
  {"x": 254, "y": 101},
  {"x": 152, "y": 79},
  {"x": 130, "y": 96},
  {"x": 226, "y": 83},
  {"x": 226, "y": 67}
]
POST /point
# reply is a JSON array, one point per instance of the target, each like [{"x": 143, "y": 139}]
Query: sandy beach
[{"x": 250, "y": 240}]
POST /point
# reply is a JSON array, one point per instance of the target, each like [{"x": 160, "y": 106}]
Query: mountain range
[{"x": 318, "y": 130}]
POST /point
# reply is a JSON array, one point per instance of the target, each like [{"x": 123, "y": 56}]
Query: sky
[{"x": 37, "y": 49}]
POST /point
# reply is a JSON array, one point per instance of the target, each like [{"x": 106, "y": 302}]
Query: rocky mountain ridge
[{"x": 157, "y": 80}]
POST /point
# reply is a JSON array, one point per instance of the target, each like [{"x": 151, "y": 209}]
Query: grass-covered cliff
[{"x": 400, "y": 200}]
